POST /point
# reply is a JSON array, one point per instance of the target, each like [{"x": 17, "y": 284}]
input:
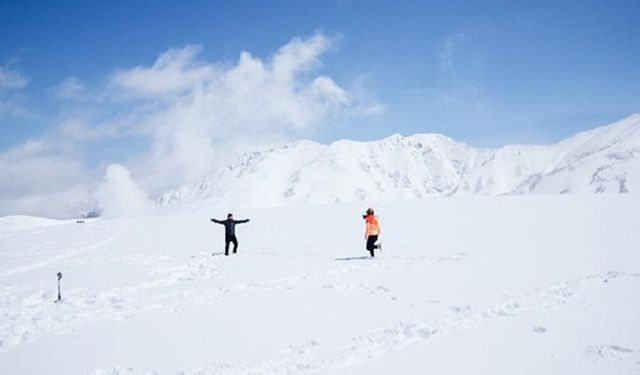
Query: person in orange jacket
[{"x": 372, "y": 231}]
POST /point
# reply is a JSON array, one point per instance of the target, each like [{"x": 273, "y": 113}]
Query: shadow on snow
[{"x": 364, "y": 257}]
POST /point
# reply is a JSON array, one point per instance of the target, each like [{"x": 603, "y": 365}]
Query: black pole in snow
[{"x": 59, "y": 295}]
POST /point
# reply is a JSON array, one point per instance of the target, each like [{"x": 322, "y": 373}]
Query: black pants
[
  {"x": 227, "y": 241},
  {"x": 371, "y": 244}
]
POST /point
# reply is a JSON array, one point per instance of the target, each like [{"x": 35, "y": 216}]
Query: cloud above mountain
[
  {"x": 205, "y": 111},
  {"x": 191, "y": 114},
  {"x": 69, "y": 89},
  {"x": 12, "y": 82}
]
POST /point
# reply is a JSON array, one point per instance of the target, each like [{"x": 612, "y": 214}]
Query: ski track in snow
[
  {"x": 65, "y": 255},
  {"x": 23, "y": 319}
]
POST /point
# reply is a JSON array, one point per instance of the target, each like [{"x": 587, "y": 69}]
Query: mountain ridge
[{"x": 601, "y": 160}]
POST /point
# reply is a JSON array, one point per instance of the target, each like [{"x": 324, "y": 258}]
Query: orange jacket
[{"x": 372, "y": 226}]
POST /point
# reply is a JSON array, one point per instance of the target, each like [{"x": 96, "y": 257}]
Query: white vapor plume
[{"x": 119, "y": 196}]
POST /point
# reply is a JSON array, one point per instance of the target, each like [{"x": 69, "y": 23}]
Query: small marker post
[{"x": 59, "y": 295}]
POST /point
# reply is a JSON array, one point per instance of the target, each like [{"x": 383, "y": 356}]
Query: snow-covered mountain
[{"x": 602, "y": 160}]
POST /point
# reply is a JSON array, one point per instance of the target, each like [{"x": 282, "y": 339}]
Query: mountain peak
[{"x": 600, "y": 160}]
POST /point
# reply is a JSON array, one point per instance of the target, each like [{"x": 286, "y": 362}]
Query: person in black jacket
[{"x": 230, "y": 232}]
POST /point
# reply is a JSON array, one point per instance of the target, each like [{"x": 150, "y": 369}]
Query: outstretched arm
[
  {"x": 216, "y": 221},
  {"x": 242, "y": 221}
]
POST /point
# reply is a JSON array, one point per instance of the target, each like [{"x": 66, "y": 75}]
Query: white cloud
[
  {"x": 194, "y": 114},
  {"x": 11, "y": 99},
  {"x": 12, "y": 79},
  {"x": 458, "y": 89},
  {"x": 299, "y": 55},
  {"x": 13, "y": 106},
  {"x": 38, "y": 178},
  {"x": 369, "y": 110},
  {"x": 69, "y": 89},
  {"x": 175, "y": 70},
  {"x": 217, "y": 109},
  {"x": 80, "y": 127},
  {"x": 325, "y": 88},
  {"x": 447, "y": 52},
  {"x": 48, "y": 176}
]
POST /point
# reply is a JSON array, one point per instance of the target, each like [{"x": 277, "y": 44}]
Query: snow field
[{"x": 501, "y": 285}]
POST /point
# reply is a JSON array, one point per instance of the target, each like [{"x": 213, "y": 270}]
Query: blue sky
[
  {"x": 525, "y": 72},
  {"x": 90, "y": 83}
]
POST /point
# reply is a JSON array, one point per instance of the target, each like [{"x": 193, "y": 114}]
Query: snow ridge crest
[{"x": 601, "y": 160}]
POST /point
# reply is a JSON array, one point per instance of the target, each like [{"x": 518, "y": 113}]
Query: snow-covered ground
[{"x": 538, "y": 284}]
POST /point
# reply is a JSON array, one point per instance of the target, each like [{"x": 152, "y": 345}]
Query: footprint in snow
[
  {"x": 431, "y": 301},
  {"x": 453, "y": 257},
  {"x": 608, "y": 353},
  {"x": 538, "y": 329},
  {"x": 460, "y": 309}
]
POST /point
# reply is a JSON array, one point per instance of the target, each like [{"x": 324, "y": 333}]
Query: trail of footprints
[
  {"x": 379, "y": 343},
  {"x": 24, "y": 319}
]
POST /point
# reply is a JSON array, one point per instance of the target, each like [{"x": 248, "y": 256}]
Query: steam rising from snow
[{"x": 119, "y": 196}]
